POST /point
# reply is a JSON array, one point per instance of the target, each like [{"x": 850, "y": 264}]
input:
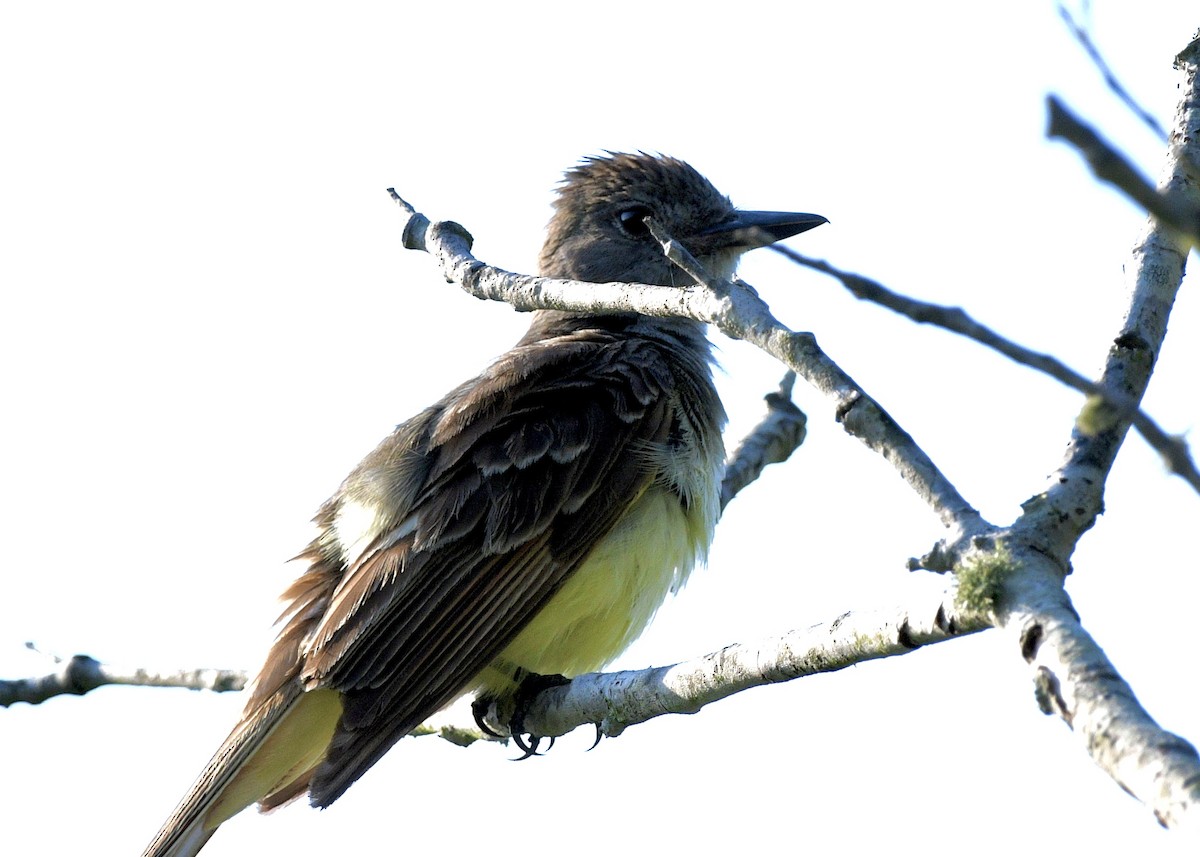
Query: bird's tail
[{"x": 268, "y": 758}]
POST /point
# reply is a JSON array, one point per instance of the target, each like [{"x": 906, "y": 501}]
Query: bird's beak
[{"x": 750, "y": 229}]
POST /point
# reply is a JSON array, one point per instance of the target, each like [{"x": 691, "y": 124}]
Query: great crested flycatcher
[{"x": 530, "y": 523}]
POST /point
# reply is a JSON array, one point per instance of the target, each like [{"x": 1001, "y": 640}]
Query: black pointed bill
[{"x": 750, "y": 229}]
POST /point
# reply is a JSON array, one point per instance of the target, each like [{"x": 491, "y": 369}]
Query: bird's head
[{"x": 598, "y": 232}]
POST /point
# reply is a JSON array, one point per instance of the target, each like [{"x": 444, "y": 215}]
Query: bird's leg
[{"x": 529, "y": 685}]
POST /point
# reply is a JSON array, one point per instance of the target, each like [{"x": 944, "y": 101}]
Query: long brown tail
[{"x": 268, "y": 757}]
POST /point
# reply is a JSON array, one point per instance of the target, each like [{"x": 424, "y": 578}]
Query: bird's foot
[{"x": 531, "y": 684}]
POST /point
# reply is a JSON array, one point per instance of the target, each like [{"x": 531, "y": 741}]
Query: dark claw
[
  {"x": 595, "y": 743},
  {"x": 479, "y": 710},
  {"x": 530, "y": 686},
  {"x": 529, "y": 748}
]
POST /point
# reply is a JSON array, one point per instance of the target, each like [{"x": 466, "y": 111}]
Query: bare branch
[
  {"x": 1111, "y": 166},
  {"x": 622, "y": 699},
  {"x": 1020, "y": 570},
  {"x": 772, "y": 441},
  {"x": 1110, "y": 78},
  {"x": 1110, "y": 404},
  {"x": 83, "y": 673},
  {"x": 737, "y": 311},
  {"x": 1075, "y": 680},
  {"x": 618, "y": 700},
  {"x": 1014, "y": 575}
]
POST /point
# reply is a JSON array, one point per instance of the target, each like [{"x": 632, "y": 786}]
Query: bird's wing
[
  {"x": 492, "y": 497},
  {"x": 522, "y": 472}
]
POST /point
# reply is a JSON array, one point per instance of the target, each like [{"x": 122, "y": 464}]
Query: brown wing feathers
[
  {"x": 434, "y": 616},
  {"x": 422, "y": 610}
]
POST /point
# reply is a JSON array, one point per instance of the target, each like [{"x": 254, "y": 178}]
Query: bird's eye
[{"x": 633, "y": 220}]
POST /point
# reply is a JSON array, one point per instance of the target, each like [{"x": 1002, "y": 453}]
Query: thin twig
[
  {"x": 1173, "y": 448},
  {"x": 1109, "y": 165},
  {"x": 772, "y": 441},
  {"x": 83, "y": 673},
  {"x": 1110, "y": 78},
  {"x": 744, "y": 315}
]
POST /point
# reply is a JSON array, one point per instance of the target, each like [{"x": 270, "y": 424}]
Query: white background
[{"x": 207, "y": 318}]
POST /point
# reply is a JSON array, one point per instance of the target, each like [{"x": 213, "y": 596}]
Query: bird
[{"x": 522, "y": 530}]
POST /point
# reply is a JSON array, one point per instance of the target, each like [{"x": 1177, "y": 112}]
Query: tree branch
[
  {"x": 1109, "y": 165},
  {"x": 622, "y": 699},
  {"x": 1110, "y": 78},
  {"x": 1013, "y": 575},
  {"x": 1075, "y": 679},
  {"x": 772, "y": 441},
  {"x": 1107, "y": 405},
  {"x": 83, "y": 673},
  {"x": 736, "y": 310},
  {"x": 618, "y": 700}
]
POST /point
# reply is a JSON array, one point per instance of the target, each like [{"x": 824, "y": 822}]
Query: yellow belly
[{"x": 614, "y": 594}]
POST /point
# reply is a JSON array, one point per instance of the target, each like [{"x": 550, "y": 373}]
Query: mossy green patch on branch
[
  {"x": 1097, "y": 415},
  {"x": 981, "y": 580}
]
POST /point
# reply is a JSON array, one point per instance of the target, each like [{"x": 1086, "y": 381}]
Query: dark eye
[{"x": 633, "y": 220}]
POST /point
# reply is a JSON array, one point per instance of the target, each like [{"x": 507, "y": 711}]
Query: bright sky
[{"x": 208, "y": 319}]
